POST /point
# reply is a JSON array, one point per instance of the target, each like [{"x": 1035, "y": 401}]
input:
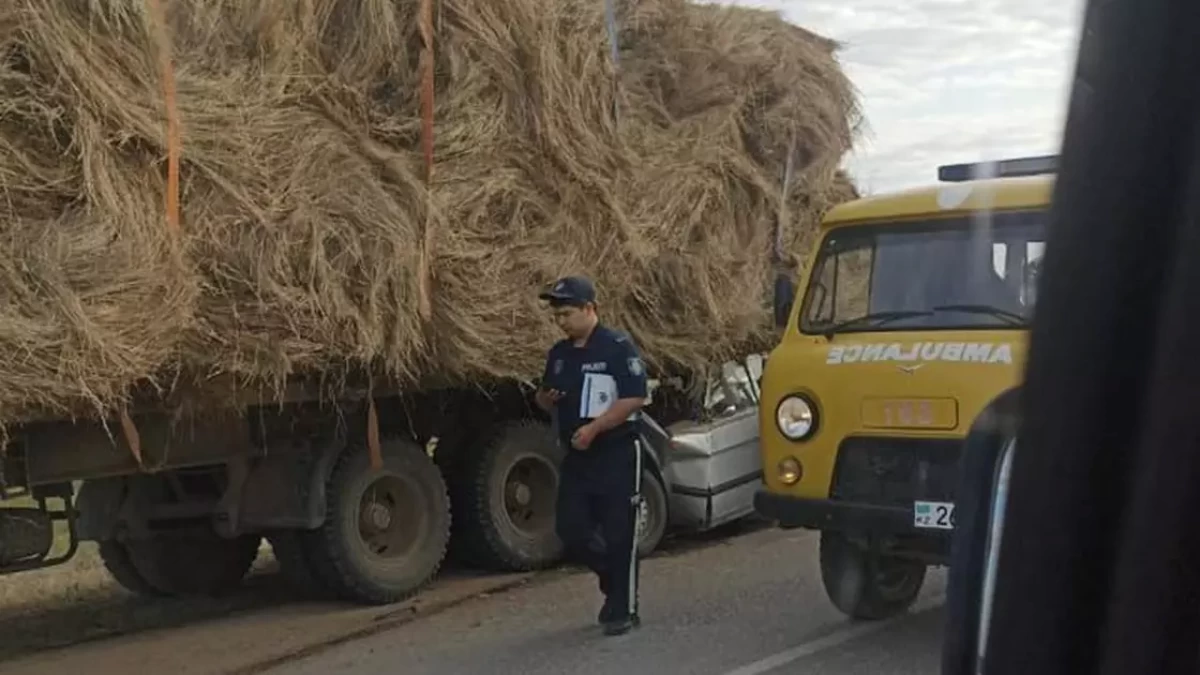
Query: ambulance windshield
[{"x": 975, "y": 272}]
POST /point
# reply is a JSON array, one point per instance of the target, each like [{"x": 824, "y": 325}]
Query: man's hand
[
  {"x": 584, "y": 435},
  {"x": 546, "y": 398}
]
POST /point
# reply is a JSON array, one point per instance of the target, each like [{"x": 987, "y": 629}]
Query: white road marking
[{"x": 840, "y": 637}]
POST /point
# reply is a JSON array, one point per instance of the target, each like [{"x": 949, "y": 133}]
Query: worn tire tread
[
  {"x": 295, "y": 566},
  {"x": 330, "y": 563},
  {"x": 116, "y": 560},
  {"x": 168, "y": 564},
  {"x": 477, "y": 540}
]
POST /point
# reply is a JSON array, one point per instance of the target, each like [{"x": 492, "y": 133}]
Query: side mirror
[
  {"x": 982, "y": 499},
  {"x": 785, "y": 294}
]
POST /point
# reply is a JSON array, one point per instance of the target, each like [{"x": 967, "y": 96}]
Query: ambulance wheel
[
  {"x": 865, "y": 586},
  {"x": 385, "y": 530},
  {"x": 507, "y": 497},
  {"x": 652, "y": 514}
]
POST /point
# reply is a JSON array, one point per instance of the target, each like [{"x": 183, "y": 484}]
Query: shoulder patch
[{"x": 636, "y": 367}]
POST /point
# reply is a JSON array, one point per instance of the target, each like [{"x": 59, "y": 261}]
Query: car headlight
[{"x": 795, "y": 418}]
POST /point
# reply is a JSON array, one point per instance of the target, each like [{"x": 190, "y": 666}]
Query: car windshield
[{"x": 951, "y": 273}]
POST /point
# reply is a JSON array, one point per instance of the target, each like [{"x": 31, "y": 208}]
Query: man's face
[{"x": 574, "y": 321}]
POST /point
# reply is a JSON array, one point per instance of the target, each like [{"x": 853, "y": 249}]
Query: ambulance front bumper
[{"x": 827, "y": 514}]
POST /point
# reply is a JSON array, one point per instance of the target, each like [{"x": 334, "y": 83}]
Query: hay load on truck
[
  {"x": 912, "y": 325},
  {"x": 269, "y": 270}
]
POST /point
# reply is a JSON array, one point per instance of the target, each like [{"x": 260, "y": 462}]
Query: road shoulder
[{"x": 259, "y": 640}]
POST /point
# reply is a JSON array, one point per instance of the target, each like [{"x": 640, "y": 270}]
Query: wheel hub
[
  {"x": 378, "y": 516},
  {"x": 522, "y": 494},
  {"x": 390, "y": 517},
  {"x": 529, "y": 495}
]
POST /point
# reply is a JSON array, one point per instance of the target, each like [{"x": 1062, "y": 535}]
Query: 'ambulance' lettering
[{"x": 968, "y": 352}]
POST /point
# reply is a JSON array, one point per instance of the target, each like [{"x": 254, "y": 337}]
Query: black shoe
[
  {"x": 621, "y": 626},
  {"x": 606, "y": 613}
]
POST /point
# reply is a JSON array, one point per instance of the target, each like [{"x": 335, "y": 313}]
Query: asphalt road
[{"x": 748, "y": 605}]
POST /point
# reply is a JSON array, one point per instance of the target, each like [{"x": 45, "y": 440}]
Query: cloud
[{"x": 946, "y": 81}]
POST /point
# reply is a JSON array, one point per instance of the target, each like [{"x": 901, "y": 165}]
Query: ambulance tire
[
  {"x": 506, "y": 496},
  {"x": 864, "y": 586}
]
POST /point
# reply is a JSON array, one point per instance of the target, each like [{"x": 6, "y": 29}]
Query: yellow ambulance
[{"x": 911, "y": 321}]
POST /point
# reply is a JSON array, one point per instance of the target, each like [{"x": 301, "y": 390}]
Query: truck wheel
[
  {"x": 508, "y": 497},
  {"x": 864, "y": 586},
  {"x": 116, "y": 560},
  {"x": 294, "y": 565},
  {"x": 190, "y": 564},
  {"x": 385, "y": 531},
  {"x": 652, "y": 514}
]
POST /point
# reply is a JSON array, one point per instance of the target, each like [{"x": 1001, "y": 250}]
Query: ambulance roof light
[{"x": 1005, "y": 168}]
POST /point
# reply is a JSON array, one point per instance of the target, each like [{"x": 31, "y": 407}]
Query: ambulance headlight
[{"x": 796, "y": 417}]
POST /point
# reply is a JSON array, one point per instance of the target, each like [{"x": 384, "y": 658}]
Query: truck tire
[
  {"x": 192, "y": 564},
  {"x": 116, "y": 560},
  {"x": 508, "y": 488},
  {"x": 294, "y": 564},
  {"x": 864, "y": 586},
  {"x": 652, "y": 514},
  {"x": 385, "y": 531}
]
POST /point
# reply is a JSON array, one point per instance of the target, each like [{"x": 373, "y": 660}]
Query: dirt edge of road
[
  {"x": 387, "y": 621},
  {"x": 267, "y": 630},
  {"x": 262, "y": 640}
]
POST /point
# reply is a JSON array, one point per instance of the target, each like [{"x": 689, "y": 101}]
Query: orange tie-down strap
[
  {"x": 426, "y": 64},
  {"x": 373, "y": 450},
  {"x": 162, "y": 40}
]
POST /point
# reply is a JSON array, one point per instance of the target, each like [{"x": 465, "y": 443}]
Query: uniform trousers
[{"x": 597, "y": 515}]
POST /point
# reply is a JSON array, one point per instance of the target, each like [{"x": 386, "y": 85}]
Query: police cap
[{"x": 574, "y": 290}]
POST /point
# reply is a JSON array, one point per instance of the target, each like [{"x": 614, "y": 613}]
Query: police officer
[{"x": 594, "y": 387}]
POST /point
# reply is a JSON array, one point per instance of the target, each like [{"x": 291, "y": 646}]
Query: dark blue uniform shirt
[{"x": 591, "y": 378}]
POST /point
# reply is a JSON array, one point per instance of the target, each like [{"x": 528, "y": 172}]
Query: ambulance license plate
[{"x": 933, "y": 515}]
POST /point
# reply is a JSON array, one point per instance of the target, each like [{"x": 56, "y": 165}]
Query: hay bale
[{"x": 304, "y": 208}]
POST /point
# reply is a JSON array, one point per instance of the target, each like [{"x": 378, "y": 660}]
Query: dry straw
[{"x": 304, "y": 202}]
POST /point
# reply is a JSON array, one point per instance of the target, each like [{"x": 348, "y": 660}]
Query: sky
[{"x": 947, "y": 81}]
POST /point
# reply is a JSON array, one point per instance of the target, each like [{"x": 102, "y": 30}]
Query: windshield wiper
[
  {"x": 872, "y": 319},
  {"x": 1011, "y": 317}
]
